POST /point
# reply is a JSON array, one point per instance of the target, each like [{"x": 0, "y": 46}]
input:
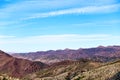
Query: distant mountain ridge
[
  {"x": 18, "y": 67},
  {"x": 100, "y": 53}
]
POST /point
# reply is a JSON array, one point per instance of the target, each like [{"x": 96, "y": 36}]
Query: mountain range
[
  {"x": 100, "y": 53},
  {"x": 100, "y": 63}
]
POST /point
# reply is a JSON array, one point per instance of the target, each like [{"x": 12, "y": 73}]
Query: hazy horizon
[{"x": 40, "y": 25}]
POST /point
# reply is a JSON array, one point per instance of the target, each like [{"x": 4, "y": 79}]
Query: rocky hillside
[
  {"x": 63, "y": 70},
  {"x": 18, "y": 67},
  {"x": 99, "y": 53},
  {"x": 79, "y": 70},
  {"x": 110, "y": 71}
]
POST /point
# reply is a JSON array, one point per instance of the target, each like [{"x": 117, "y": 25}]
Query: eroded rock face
[{"x": 18, "y": 67}]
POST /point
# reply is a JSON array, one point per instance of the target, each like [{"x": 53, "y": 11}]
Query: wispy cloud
[
  {"x": 4, "y": 36},
  {"x": 18, "y": 11},
  {"x": 55, "y": 38},
  {"x": 105, "y": 23},
  {"x": 30, "y": 9},
  {"x": 83, "y": 10}
]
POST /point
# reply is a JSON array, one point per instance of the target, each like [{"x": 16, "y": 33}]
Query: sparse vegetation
[
  {"x": 102, "y": 73},
  {"x": 66, "y": 71},
  {"x": 76, "y": 71},
  {"x": 6, "y": 77},
  {"x": 80, "y": 78}
]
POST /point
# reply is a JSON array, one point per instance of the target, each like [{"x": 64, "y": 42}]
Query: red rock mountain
[
  {"x": 18, "y": 67},
  {"x": 99, "y": 53}
]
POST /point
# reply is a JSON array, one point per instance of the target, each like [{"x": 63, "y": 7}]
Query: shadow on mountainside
[{"x": 115, "y": 77}]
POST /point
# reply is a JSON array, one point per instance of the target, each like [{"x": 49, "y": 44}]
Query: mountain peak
[
  {"x": 2, "y": 53},
  {"x": 100, "y": 46}
]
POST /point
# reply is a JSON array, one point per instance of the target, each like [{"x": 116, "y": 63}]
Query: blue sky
[{"x": 35, "y": 25}]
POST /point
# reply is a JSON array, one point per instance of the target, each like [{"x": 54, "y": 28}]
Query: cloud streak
[
  {"x": 83, "y": 10},
  {"x": 33, "y": 9},
  {"x": 29, "y": 9},
  {"x": 4, "y": 37},
  {"x": 54, "y": 39}
]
